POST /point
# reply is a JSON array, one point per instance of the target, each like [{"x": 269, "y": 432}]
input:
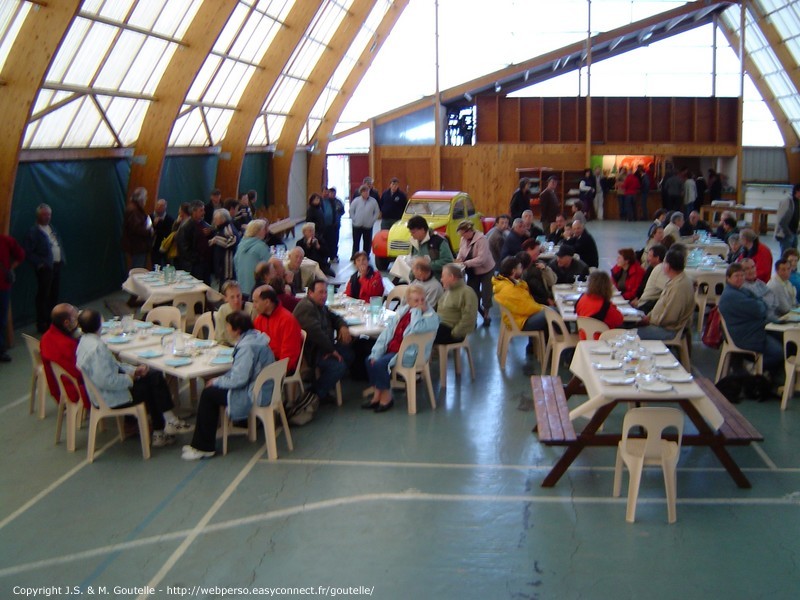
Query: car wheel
[{"x": 382, "y": 263}]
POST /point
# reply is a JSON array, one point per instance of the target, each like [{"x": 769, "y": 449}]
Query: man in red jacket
[
  {"x": 11, "y": 255},
  {"x": 285, "y": 339},
  {"x": 59, "y": 345}
]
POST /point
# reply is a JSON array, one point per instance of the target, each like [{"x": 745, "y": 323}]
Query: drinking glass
[{"x": 645, "y": 369}]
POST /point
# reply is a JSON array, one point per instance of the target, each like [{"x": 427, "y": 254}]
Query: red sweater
[
  {"x": 10, "y": 253},
  {"x": 763, "y": 260},
  {"x": 372, "y": 285},
  {"x": 285, "y": 339},
  {"x": 57, "y": 347},
  {"x": 632, "y": 282},
  {"x": 589, "y": 306}
]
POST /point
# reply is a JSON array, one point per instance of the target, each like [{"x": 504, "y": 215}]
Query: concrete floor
[{"x": 444, "y": 504}]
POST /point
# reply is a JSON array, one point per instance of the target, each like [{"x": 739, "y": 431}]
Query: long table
[
  {"x": 758, "y": 215},
  {"x": 154, "y": 290},
  {"x": 566, "y": 296}
]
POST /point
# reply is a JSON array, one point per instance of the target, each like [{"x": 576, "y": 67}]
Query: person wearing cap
[
  {"x": 566, "y": 266},
  {"x": 393, "y": 204},
  {"x": 476, "y": 256},
  {"x": 549, "y": 203},
  {"x": 429, "y": 243}
]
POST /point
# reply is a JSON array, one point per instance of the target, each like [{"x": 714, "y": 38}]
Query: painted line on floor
[
  {"x": 54, "y": 485},
  {"x": 765, "y": 457},
  {"x": 203, "y": 522},
  {"x": 771, "y": 466},
  {"x": 202, "y": 528},
  {"x": 15, "y": 403}
]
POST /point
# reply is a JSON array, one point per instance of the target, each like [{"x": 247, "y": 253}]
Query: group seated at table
[{"x": 59, "y": 345}]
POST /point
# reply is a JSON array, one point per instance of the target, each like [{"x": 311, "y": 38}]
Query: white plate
[
  {"x": 668, "y": 365},
  {"x": 619, "y": 300},
  {"x": 562, "y": 286},
  {"x": 678, "y": 378},
  {"x": 149, "y": 354},
  {"x": 600, "y": 350},
  {"x": 184, "y": 286},
  {"x": 178, "y": 362},
  {"x": 617, "y": 379},
  {"x": 655, "y": 386},
  {"x": 660, "y": 351},
  {"x": 118, "y": 339},
  {"x": 607, "y": 365}
]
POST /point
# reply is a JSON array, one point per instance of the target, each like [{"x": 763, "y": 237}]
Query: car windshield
[{"x": 428, "y": 207}]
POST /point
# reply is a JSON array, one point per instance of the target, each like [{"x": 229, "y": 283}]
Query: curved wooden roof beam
[
  {"x": 304, "y": 103},
  {"x": 151, "y": 147},
  {"x": 255, "y": 95},
  {"x": 22, "y": 76},
  {"x": 316, "y": 165},
  {"x": 785, "y": 58}
]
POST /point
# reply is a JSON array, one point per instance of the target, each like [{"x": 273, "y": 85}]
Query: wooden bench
[
  {"x": 284, "y": 226},
  {"x": 552, "y": 413}
]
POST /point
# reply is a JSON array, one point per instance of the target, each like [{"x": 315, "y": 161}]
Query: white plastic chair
[
  {"x": 266, "y": 414},
  {"x": 190, "y": 305},
  {"x": 398, "y": 293},
  {"x": 611, "y": 334},
  {"x": 591, "y": 327},
  {"x": 510, "y": 330},
  {"x": 204, "y": 327},
  {"x": 166, "y": 316},
  {"x": 791, "y": 352},
  {"x": 729, "y": 347},
  {"x": 101, "y": 410},
  {"x": 709, "y": 289},
  {"x": 296, "y": 379},
  {"x": 444, "y": 350},
  {"x": 409, "y": 374},
  {"x": 637, "y": 452},
  {"x": 74, "y": 410},
  {"x": 559, "y": 340},
  {"x": 138, "y": 271},
  {"x": 38, "y": 379},
  {"x": 681, "y": 341}
]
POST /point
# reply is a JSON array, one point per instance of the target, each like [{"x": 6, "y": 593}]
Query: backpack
[
  {"x": 712, "y": 329},
  {"x": 169, "y": 246}
]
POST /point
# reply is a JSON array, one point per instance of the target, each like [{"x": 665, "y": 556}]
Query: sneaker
[
  {"x": 195, "y": 454},
  {"x": 162, "y": 439},
  {"x": 178, "y": 427},
  {"x": 309, "y": 399},
  {"x": 302, "y": 418}
]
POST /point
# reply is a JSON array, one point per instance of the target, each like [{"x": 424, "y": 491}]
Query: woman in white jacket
[{"x": 413, "y": 317}]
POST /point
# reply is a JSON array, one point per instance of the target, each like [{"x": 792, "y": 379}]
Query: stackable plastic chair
[
  {"x": 559, "y": 340},
  {"x": 653, "y": 450},
  {"x": 509, "y": 330},
  {"x": 709, "y": 289},
  {"x": 398, "y": 293},
  {"x": 444, "y": 350},
  {"x": 296, "y": 379},
  {"x": 591, "y": 328},
  {"x": 204, "y": 327},
  {"x": 729, "y": 347},
  {"x": 38, "y": 379},
  {"x": 421, "y": 366},
  {"x": 166, "y": 316},
  {"x": 791, "y": 351},
  {"x": 190, "y": 305},
  {"x": 73, "y": 410}
]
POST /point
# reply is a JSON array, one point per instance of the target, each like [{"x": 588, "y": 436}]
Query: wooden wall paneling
[
  {"x": 531, "y": 120},
  {"x": 639, "y": 119},
  {"x": 684, "y": 120},
  {"x": 581, "y": 120},
  {"x": 598, "y": 120},
  {"x": 617, "y": 119},
  {"x": 509, "y": 120},
  {"x": 452, "y": 172},
  {"x": 551, "y": 120},
  {"x": 487, "y": 119},
  {"x": 661, "y": 120},
  {"x": 568, "y": 120},
  {"x": 705, "y": 119},
  {"x": 728, "y": 120}
]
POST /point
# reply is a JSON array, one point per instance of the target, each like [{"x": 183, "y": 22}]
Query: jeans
[
  {"x": 536, "y": 322},
  {"x": 379, "y": 374},
  {"x": 790, "y": 241},
  {"x": 644, "y": 206},
  {"x": 332, "y": 370},
  {"x": 152, "y": 390},
  {"x": 773, "y": 352},
  {"x": 652, "y": 332},
  {"x": 364, "y": 233},
  {"x": 482, "y": 284}
]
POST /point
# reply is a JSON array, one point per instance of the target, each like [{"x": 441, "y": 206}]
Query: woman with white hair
[
  {"x": 314, "y": 248},
  {"x": 251, "y": 251},
  {"x": 223, "y": 245}
]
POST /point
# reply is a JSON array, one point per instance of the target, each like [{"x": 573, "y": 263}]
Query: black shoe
[
  {"x": 486, "y": 321},
  {"x": 384, "y": 407},
  {"x": 368, "y": 404},
  {"x": 4, "y": 357}
]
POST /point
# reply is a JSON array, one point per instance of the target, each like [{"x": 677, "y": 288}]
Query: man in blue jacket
[{"x": 43, "y": 248}]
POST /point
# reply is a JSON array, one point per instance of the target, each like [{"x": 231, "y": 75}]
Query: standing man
[
  {"x": 364, "y": 212},
  {"x": 587, "y": 193},
  {"x": 599, "y": 197},
  {"x": 11, "y": 255},
  {"x": 43, "y": 248},
  {"x": 689, "y": 192},
  {"x": 429, "y": 243},
  {"x": 788, "y": 219},
  {"x": 194, "y": 253},
  {"x": 497, "y": 237},
  {"x": 332, "y": 234},
  {"x": 549, "y": 203},
  {"x": 162, "y": 226},
  {"x": 393, "y": 204},
  {"x": 372, "y": 191},
  {"x": 214, "y": 203},
  {"x": 137, "y": 230}
]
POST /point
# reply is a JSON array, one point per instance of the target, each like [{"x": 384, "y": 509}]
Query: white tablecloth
[
  {"x": 713, "y": 246},
  {"x": 155, "y": 292},
  {"x": 567, "y": 296},
  {"x": 601, "y": 393}
]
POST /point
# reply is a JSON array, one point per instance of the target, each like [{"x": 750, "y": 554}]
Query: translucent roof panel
[
  {"x": 117, "y": 49},
  {"x": 12, "y": 16}
]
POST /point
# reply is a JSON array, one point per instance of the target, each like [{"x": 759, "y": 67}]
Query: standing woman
[
  {"x": 316, "y": 215},
  {"x": 223, "y": 245},
  {"x": 415, "y": 316},
  {"x": 251, "y": 251},
  {"x": 233, "y": 389},
  {"x": 627, "y": 273},
  {"x": 476, "y": 256}
]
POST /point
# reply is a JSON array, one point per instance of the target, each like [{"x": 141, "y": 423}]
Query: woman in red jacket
[
  {"x": 596, "y": 302},
  {"x": 627, "y": 274},
  {"x": 366, "y": 282}
]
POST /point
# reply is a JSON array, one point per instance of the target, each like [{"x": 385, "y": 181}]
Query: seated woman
[
  {"x": 513, "y": 294},
  {"x": 124, "y": 385},
  {"x": 233, "y": 303},
  {"x": 627, "y": 273},
  {"x": 596, "y": 302},
  {"x": 233, "y": 389},
  {"x": 656, "y": 237},
  {"x": 792, "y": 255},
  {"x": 314, "y": 249},
  {"x": 415, "y": 316},
  {"x": 366, "y": 282}
]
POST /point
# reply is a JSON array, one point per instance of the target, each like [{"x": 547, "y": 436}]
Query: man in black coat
[{"x": 584, "y": 244}]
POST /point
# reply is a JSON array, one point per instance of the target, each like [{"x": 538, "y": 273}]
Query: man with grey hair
[
  {"x": 759, "y": 289},
  {"x": 673, "y": 229},
  {"x": 457, "y": 308},
  {"x": 515, "y": 238},
  {"x": 736, "y": 248},
  {"x": 44, "y": 250},
  {"x": 137, "y": 230}
]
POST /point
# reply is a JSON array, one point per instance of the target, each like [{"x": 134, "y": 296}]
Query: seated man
[
  {"x": 514, "y": 240},
  {"x": 782, "y": 288},
  {"x": 282, "y": 329},
  {"x": 759, "y": 289},
  {"x": 59, "y": 345},
  {"x": 429, "y": 243},
  {"x": 457, "y": 308},
  {"x": 534, "y": 230},
  {"x": 675, "y": 307},
  {"x": 232, "y": 292},
  {"x": 566, "y": 266},
  {"x": 329, "y": 354},
  {"x": 673, "y": 230},
  {"x": 694, "y": 225},
  {"x": 124, "y": 385},
  {"x": 584, "y": 244},
  {"x": 423, "y": 277},
  {"x": 539, "y": 277},
  {"x": 746, "y": 318},
  {"x": 557, "y": 229},
  {"x": 653, "y": 282}
]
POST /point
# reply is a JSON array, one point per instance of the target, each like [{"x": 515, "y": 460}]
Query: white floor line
[
  {"x": 765, "y": 457},
  {"x": 771, "y": 466},
  {"x": 380, "y": 498},
  {"x": 16, "y": 402},
  {"x": 202, "y": 523},
  {"x": 54, "y": 485}
]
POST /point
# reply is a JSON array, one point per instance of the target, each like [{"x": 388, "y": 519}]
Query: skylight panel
[{"x": 12, "y": 16}]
